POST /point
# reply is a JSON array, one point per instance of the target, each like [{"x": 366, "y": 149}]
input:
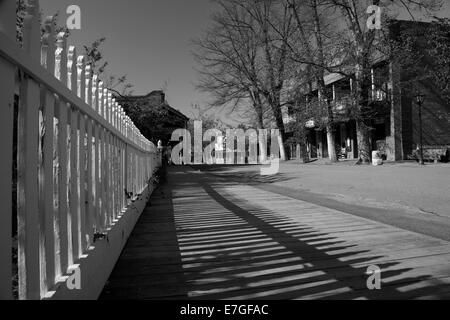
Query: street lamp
[{"x": 420, "y": 98}]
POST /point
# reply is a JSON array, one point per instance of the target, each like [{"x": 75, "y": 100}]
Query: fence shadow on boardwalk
[
  {"x": 196, "y": 242},
  {"x": 250, "y": 175}
]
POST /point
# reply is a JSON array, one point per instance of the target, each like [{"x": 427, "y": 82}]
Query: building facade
[
  {"x": 395, "y": 129},
  {"x": 156, "y": 118}
]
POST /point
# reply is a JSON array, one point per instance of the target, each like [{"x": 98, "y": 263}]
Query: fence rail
[{"x": 79, "y": 157}]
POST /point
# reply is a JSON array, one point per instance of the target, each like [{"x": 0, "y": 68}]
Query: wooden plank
[
  {"x": 123, "y": 179},
  {"x": 108, "y": 180},
  {"x": 90, "y": 210},
  {"x": 88, "y": 85},
  {"x": 94, "y": 92},
  {"x": 28, "y": 191},
  {"x": 105, "y": 104},
  {"x": 105, "y": 220},
  {"x": 97, "y": 178},
  {"x": 126, "y": 187},
  {"x": 64, "y": 150},
  {"x": 108, "y": 106},
  {"x": 61, "y": 73},
  {"x": 74, "y": 188},
  {"x": 101, "y": 100},
  {"x": 81, "y": 82},
  {"x": 112, "y": 179},
  {"x": 82, "y": 183},
  {"x": 47, "y": 186},
  {"x": 47, "y": 204},
  {"x": 7, "y": 74},
  {"x": 116, "y": 179}
]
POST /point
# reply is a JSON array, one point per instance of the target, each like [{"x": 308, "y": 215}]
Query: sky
[{"x": 148, "y": 40}]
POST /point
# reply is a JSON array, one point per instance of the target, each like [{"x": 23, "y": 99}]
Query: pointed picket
[
  {"x": 77, "y": 153},
  {"x": 63, "y": 236},
  {"x": 27, "y": 160},
  {"x": 7, "y": 74},
  {"x": 47, "y": 204},
  {"x": 81, "y": 83},
  {"x": 88, "y": 85}
]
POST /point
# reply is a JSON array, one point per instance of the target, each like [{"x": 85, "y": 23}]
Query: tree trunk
[
  {"x": 331, "y": 147},
  {"x": 363, "y": 84},
  {"x": 258, "y": 106},
  {"x": 280, "y": 125},
  {"x": 362, "y": 131},
  {"x": 282, "y": 149},
  {"x": 304, "y": 156}
]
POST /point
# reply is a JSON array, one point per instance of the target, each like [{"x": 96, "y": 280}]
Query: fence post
[{"x": 7, "y": 72}]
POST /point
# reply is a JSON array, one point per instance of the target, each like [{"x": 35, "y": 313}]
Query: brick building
[{"x": 395, "y": 124}]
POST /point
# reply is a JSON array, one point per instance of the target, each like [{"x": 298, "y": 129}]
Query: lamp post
[{"x": 420, "y": 99}]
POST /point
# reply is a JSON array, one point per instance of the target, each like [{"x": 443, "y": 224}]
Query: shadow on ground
[
  {"x": 194, "y": 241},
  {"x": 249, "y": 174}
]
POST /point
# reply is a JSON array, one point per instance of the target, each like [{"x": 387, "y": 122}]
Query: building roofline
[{"x": 164, "y": 104}]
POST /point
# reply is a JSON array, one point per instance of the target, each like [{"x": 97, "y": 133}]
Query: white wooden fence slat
[
  {"x": 77, "y": 154},
  {"x": 107, "y": 198},
  {"x": 74, "y": 184},
  {"x": 72, "y": 75},
  {"x": 82, "y": 183},
  {"x": 81, "y": 82},
  {"x": 63, "y": 187},
  {"x": 47, "y": 138},
  {"x": 109, "y": 107},
  {"x": 94, "y": 92},
  {"x": 61, "y": 73},
  {"x": 100, "y": 98},
  {"x": 88, "y": 85},
  {"x": 61, "y": 57},
  {"x": 97, "y": 180},
  {"x": 105, "y": 103},
  {"x": 114, "y": 177},
  {"x": 7, "y": 72},
  {"x": 90, "y": 187},
  {"x": 103, "y": 178},
  {"x": 27, "y": 184}
]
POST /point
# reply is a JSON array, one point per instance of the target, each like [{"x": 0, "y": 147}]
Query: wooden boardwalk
[{"x": 206, "y": 238}]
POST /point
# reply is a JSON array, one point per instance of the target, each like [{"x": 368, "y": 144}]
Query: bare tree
[
  {"x": 362, "y": 46},
  {"x": 244, "y": 61},
  {"x": 309, "y": 45},
  {"x": 227, "y": 54},
  {"x": 269, "y": 15}
]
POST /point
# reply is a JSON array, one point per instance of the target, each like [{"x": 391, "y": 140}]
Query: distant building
[
  {"x": 395, "y": 128},
  {"x": 160, "y": 119}
]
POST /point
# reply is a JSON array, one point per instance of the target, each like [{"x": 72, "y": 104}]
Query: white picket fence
[{"x": 78, "y": 153}]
